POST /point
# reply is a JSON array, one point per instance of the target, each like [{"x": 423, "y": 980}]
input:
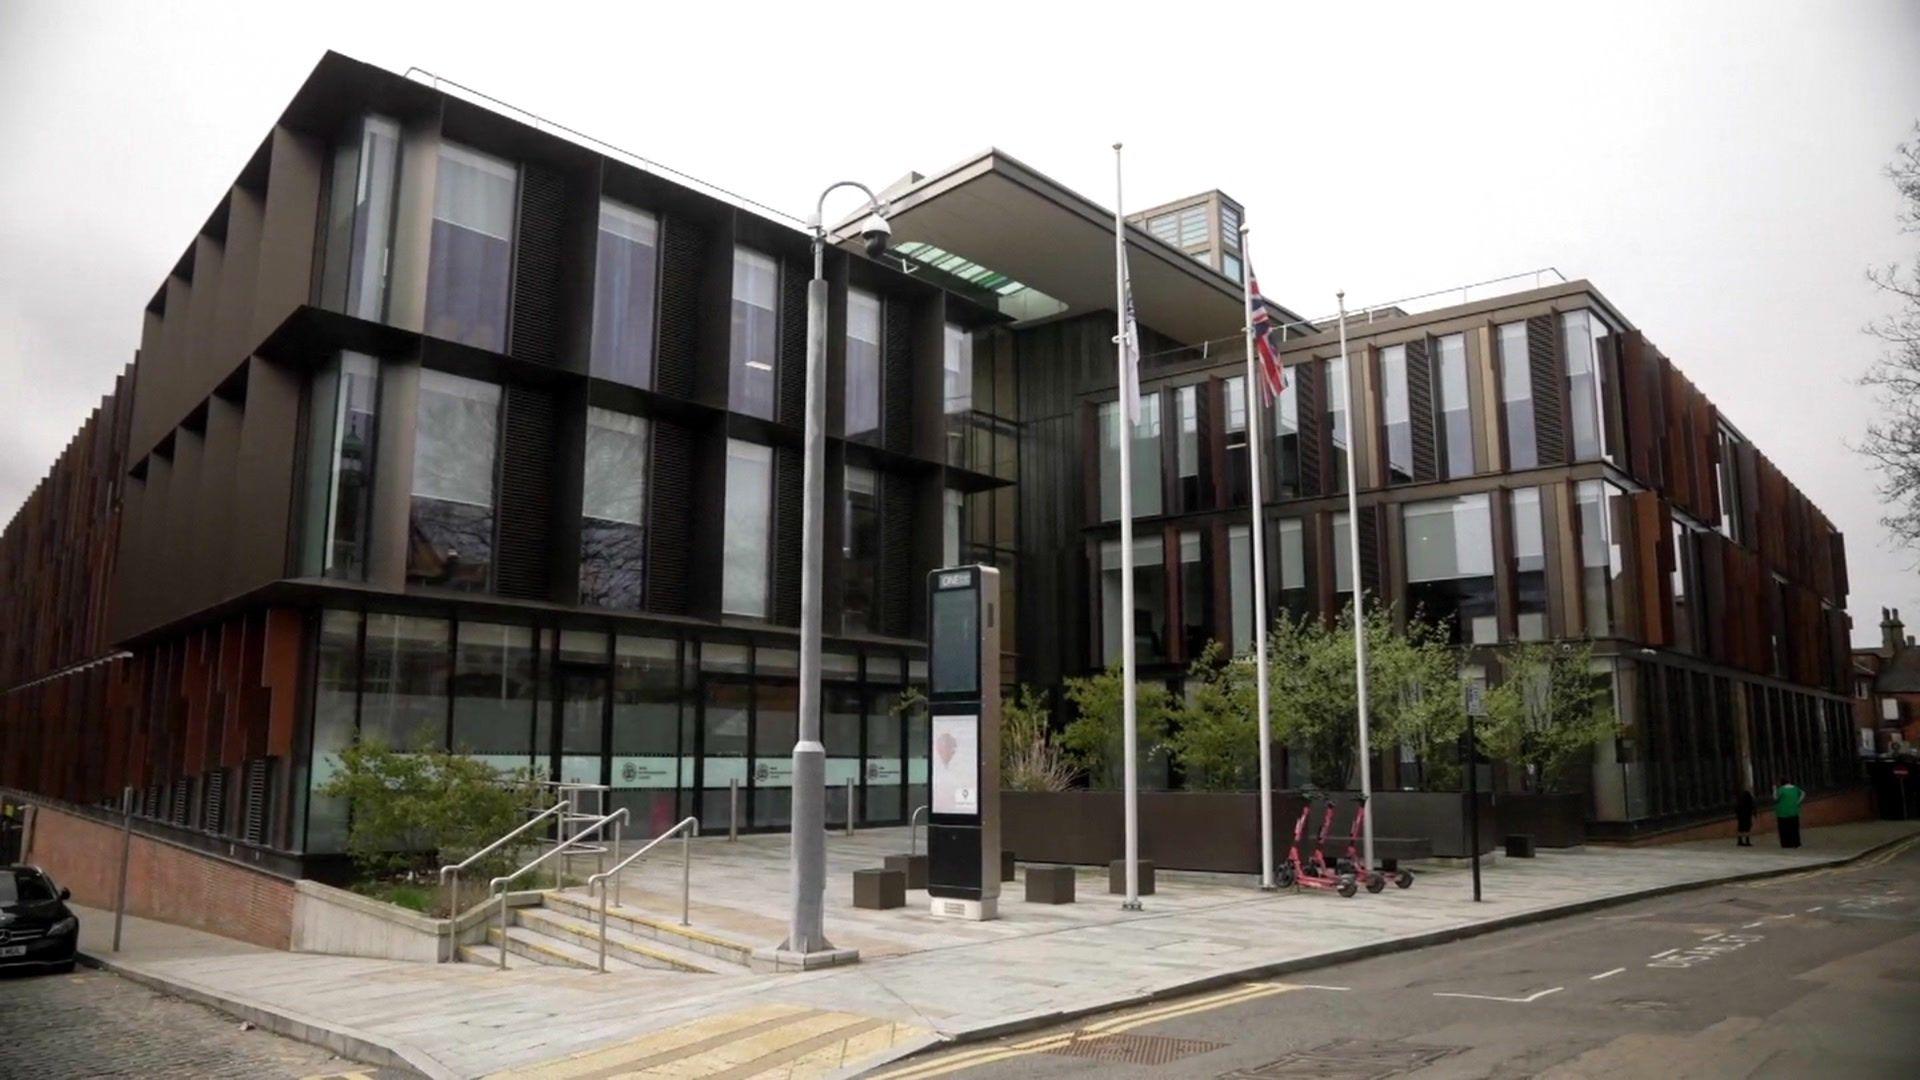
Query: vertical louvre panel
[
  {"x": 254, "y": 806},
  {"x": 536, "y": 277},
  {"x": 1549, "y": 390},
  {"x": 683, "y": 250},
  {"x": 1420, "y": 399},
  {"x": 669, "y": 514},
  {"x": 792, "y": 406},
  {"x": 896, "y": 375},
  {"x": 182, "y": 801},
  {"x": 788, "y": 477},
  {"x": 1369, "y": 569},
  {"x": 1312, "y": 418},
  {"x": 522, "y": 563},
  {"x": 896, "y": 555},
  {"x": 215, "y": 819}
]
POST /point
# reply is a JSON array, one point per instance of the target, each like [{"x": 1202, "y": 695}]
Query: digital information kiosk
[{"x": 963, "y": 694}]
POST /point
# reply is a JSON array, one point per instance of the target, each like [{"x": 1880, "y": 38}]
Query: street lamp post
[{"x": 806, "y": 928}]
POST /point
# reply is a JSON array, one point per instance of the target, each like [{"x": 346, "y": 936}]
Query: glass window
[
  {"x": 1449, "y": 552},
  {"x": 470, "y": 273},
  {"x": 1601, "y": 564},
  {"x": 863, "y": 365},
  {"x": 1580, "y": 333},
  {"x": 1452, "y": 403},
  {"x": 451, "y": 540},
  {"x": 1146, "y": 459},
  {"x": 956, "y": 365},
  {"x": 1240, "y": 585},
  {"x": 403, "y": 701},
  {"x": 336, "y": 692},
  {"x": 1342, "y": 561},
  {"x": 1334, "y": 478},
  {"x": 645, "y": 747},
  {"x": 625, "y": 272},
  {"x": 776, "y": 727},
  {"x": 1530, "y": 563},
  {"x": 953, "y": 527},
  {"x": 1285, "y": 431},
  {"x": 1291, "y": 551},
  {"x": 1516, "y": 396},
  {"x": 342, "y": 425},
  {"x": 860, "y": 551},
  {"x": 494, "y": 694},
  {"x": 1686, "y": 552},
  {"x": 360, "y": 219},
  {"x": 1149, "y": 600},
  {"x": 1239, "y": 461},
  {"x": 756, "y": 342},
  {"x": 1186, "y": 407},
  {"x": 613, "y": 506},
  {"x": 749, "y": 528},
  {"x": 1196, "y": 593},
  {"x": 1399, "y": 416},
  {"x": 1732, "y": 516},
  {"x": 580, "y": 693},
  {"x": 885, "y": 767},
  {"x": 1230, "y": 265}
]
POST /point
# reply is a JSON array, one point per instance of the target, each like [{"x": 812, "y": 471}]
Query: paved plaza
[{"x": 921, "y": 980}]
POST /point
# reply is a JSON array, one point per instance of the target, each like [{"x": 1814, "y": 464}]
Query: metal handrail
[
  {"x": 688, "y": 828},
  {"x": 913, "y": 830},
  {"x": 455, "y": 868},
  {"x": 617, "y": 817}
]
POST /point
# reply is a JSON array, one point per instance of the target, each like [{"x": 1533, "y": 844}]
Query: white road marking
[
  {"x": 1658, "y": 955},
  {"x": 1528, "y": 1000},
  {"x": 1751, "y": 925},
  {"x": 1605, "y": 975},
  {"x": 1816, "y": 907},
  {"x": 1788, "y": 915}
]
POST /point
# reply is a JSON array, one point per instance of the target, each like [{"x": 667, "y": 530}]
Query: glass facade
[
  {"x": 1284, "y": 432},
  {"x": 1149, "y": 617},
  {"x": 957, "y": 388},
  {"x": 361, "y": 191},
  {"x": 1146, "y": 459},
  {"x": 1581, "y": 332},
  {"x": 1334, "y": 470},
  {"x": 626, "y": 270},
  {"x": 1186, "y": 457},
  {"x": 1240, "y": 586},
  {"x": 1397, "y": 408},
  {"x": 1452, "y": 406},
  {"x": 665, "y": 721},
  {"x": 863, "y": 366},
  {"x": 859, "y": 550},
  {"x": 1529, "y": 563},
  {"x": 1239, "y": 478},
  {"x": 613, "y": 506},
  {"x": 755, "y": 345},
  {"x": 470, "y": 271},
  {"x": 1196, "y": 593},
  {"x": 1600, "y": 513},
  {"x": 450, "y": 538}
]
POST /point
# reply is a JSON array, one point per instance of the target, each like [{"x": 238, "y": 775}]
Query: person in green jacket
[{"x": 1786, "y": 813}]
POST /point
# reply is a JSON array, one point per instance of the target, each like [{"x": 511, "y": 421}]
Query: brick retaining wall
[{"x": 164, "y": 881}]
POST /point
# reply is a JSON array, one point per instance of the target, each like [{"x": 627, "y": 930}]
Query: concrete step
[
  {"x": 639, "y": 951},
  {"x": 668, "y": 931},
  {"x": 531, "y": 944},
  {"x": 489, "y": 956}
]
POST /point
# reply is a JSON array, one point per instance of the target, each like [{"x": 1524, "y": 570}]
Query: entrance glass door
[
  {"x": 776, "y": 718},
  {"x": 580, "y": 700},
  {"x": 726, "y": 712}
]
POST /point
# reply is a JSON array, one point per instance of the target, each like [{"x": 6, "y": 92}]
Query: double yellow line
[
  {"x": 987, "y": 1055},
  {"x": 1870, "y": 862}
]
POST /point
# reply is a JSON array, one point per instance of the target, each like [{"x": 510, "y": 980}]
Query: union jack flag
[{"x": 1273, "y": 380}]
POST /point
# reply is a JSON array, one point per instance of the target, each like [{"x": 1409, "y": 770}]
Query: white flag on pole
[{"x": 1129, "y": 333}]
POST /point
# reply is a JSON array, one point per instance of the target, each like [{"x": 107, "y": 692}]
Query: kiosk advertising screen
[
  {"x": 955, "y": 666},
  {"x": 956, "y": 765}
]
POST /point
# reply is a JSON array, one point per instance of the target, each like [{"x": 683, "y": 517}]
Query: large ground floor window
[{"x": 673, "y": 724}]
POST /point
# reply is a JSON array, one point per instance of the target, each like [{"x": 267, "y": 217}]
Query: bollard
[
  {"x": 849, "y": 806},
  {"x": 733, "y": 810}
]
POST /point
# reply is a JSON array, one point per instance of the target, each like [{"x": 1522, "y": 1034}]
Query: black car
[{"x": 36, "y": 928}]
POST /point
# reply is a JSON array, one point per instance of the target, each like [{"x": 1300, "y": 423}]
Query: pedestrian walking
[
  {"x": 1743, "y": 816},
  {"x": 1786, "y": 813}
]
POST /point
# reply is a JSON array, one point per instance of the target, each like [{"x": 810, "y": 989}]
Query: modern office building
[{"x": 450, "y": 431}]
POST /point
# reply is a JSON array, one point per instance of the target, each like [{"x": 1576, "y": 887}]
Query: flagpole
[
  {"x": 1128, "y": 695},
  {"x": 1258, "y": 538},
  {"x": 1359, "y": 594}
]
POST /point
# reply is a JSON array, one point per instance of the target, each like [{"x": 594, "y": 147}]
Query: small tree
[
  {"x": 1217, "y": 738},
  {"x": 1312, "y": 690},
  {"x": 1893, "y": 440},
  {"x": 408, "y": 809},
  {"x": 1415, "y": 696},
  {"x": 1030, "y": 760},
  {"x": 1548, "y": 713},
  {"x": 1093, "y": 740}
]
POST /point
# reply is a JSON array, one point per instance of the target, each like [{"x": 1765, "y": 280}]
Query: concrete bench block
[
  {"x": 878, "y": 890},
  {"x": 1520, "y": 846},
  {"x": 1117, "y": 877},
  {"x": 914, "y": 866},
  {"x": 1006, "y": 865},
  {"x": 1049, "y": 884}
]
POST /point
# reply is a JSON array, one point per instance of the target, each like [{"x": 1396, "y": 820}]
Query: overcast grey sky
[{"x": 1714, "y": 168}]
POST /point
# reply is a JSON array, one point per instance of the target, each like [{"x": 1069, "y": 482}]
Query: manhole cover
[
  {"x": 1348, "y": 1059},
  {"x": 1134, "y": 1049}
]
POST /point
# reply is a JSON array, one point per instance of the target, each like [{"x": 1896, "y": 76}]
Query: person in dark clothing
[
  {"x": 1743, "y": 816},
  {"x": 1786, "y": 813}
]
